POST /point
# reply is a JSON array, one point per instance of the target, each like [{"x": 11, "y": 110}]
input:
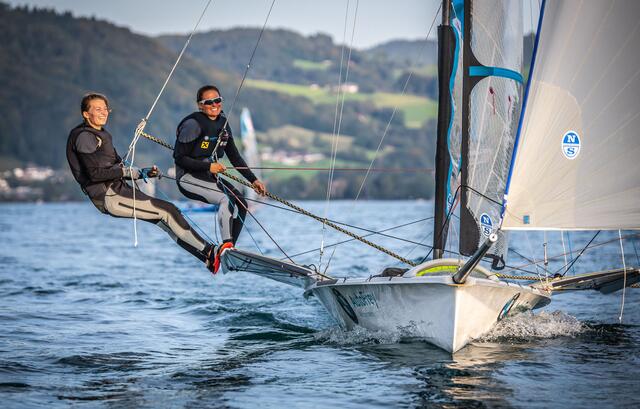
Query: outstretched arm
[{"x": 237, "y": 161}]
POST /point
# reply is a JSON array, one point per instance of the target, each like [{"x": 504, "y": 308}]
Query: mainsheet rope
[
  {"x": 330, "y": 223},
  {"x": 334, "y": 224},
  {"x": 298, "y": 208}
]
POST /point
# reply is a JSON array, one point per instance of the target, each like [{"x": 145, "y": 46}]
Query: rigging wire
[
  {"x": 636, "y": 251},
  {"x": 578, "y": 256},
  {"x": 371, "y": 233},
  {"x": 564, "y": 250},
  {"x": 557, "y": 256},
  {"x": 266, "y": 203},
  {"x": 301, "y": 210},
  {"x": 624, "y": 280},
  {"x": 446, "y": 223},
  {"x": 140, "y": 128},
  {"x": 246, "y": 71},
  {"x": 384, "y": 134},
  {"x": 334, "y": 142},
  {"x": 330, "y": 169},
  {"x": 337, "y": 120}
]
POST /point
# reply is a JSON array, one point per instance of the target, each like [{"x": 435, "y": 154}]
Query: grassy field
[
  {"x": 312, "y": 65},
  {"x": 416, "y": 109}
]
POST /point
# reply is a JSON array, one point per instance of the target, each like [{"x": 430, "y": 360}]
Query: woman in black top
[
  {"x": 203, "y": 138},
  {"x": 99, "y": 170}
]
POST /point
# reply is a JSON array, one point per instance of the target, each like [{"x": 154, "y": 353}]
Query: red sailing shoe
[
  {"x": 216, "y": 261},
  {"x": 211, "y": 258}
]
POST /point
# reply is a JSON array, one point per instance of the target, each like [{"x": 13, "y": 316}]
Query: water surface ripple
[{"x": 90, "y": 321}]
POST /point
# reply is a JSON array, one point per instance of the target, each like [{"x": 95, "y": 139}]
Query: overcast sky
[{"x": 377, "y": 20}]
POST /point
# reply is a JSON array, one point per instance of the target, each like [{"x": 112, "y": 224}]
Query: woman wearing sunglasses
[{"x": 203, "y": 139}]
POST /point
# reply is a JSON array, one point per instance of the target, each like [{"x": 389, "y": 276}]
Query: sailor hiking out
[
  {"x": 100, "y": 171},
  {"x": 203, "y": 138}
]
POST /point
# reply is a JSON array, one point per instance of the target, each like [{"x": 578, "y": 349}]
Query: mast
[
  {"x": 446, "y": 50},
  {"x": 469, "y": 235}
]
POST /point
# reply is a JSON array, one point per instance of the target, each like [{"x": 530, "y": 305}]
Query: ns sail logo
[
  {"x": 571, "y": 145},
  {"x": 486, "y": 224}
]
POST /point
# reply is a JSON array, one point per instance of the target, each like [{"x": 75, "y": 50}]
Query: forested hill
[
  {"x": 49, "y": 60},
  {"x": 286, "y": 56},
  {"x": 415, "y": 53}
]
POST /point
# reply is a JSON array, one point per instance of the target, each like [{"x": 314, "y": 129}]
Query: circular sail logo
[
  {"x": 571, "y": 145},
  {"x": 486, "y": 224}
]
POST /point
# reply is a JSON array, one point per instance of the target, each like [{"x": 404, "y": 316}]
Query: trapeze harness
[{"x": 199, "y": 141}]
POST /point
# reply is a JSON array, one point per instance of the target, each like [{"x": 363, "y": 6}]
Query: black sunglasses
[{"x": 211, "y": 101}]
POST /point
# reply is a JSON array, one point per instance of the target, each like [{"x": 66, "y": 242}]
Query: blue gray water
[{"x": 87, "y": 320}]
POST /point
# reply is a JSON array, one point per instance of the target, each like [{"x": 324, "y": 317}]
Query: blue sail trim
[
  {"x": 524, "y": 107},
  {"x": 452, "y": 81},
  {"x": 458, "y": 10},
  {"x": 481, "y": 71}
]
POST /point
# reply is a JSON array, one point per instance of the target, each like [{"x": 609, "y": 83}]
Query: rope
[
  {"x": 337, "y": 121},
  {"x": 323, "y": 220},
  {"x": 329, "y": 223},
  {"x": 371, "y": 233},
  {"x": 299, "y": 210},
  {"x": 386, "y": 130},
  {"x": 379, "y": 232},
  {"x": 514, "y": 277},
  {"x": 624, "y": 280},
  {"x": 330, "y": 169},
  {"x": 140, "y": 128},
  {"x": 244, "y": 76}
]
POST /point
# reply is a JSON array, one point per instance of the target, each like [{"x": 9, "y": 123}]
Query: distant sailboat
[{"x": 250, "y": 151}]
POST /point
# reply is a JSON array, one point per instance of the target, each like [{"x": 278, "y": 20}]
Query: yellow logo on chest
[{"x": 204, "y": 145}]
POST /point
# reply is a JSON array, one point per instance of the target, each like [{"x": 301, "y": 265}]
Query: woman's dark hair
[
  {"x": 204, "y": 89},
  {"x": 84, "y": 105}
]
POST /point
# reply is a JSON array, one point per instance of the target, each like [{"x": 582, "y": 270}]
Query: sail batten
[{"x": 576, "y": 165}]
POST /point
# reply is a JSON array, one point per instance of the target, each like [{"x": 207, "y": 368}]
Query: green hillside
[
  {"x": 288, "y": 57},
  {"x": 49, "y": 60},
  {"x": 416, "y": 110}
]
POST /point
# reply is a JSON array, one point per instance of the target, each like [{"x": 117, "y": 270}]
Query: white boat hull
[
  {"x": 423, "y": 302},
  {"x": 436, "y": 309}
]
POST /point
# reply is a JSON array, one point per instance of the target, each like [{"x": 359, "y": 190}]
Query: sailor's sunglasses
[{"x": 211, "y": 101}]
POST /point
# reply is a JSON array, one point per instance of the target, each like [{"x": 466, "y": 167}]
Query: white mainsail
[{"x": 577, "y": 159}]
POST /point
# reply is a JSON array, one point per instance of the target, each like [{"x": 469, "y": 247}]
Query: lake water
[{"x": 87, "y": 320}]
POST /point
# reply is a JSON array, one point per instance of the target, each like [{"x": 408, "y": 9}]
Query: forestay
[{"x": 577, "y": 160}]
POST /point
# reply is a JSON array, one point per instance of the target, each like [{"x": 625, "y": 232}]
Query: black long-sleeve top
[{"x": 192, "y": 154}]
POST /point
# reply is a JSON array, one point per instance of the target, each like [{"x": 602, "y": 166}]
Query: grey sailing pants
[
  {"x": 159, "y": 212},
  {"x": 233, "y": 206}
]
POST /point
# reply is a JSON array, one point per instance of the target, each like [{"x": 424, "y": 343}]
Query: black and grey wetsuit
[
  {"x": 197, "y": 136},
  {"x": 98, "y": 169}
]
